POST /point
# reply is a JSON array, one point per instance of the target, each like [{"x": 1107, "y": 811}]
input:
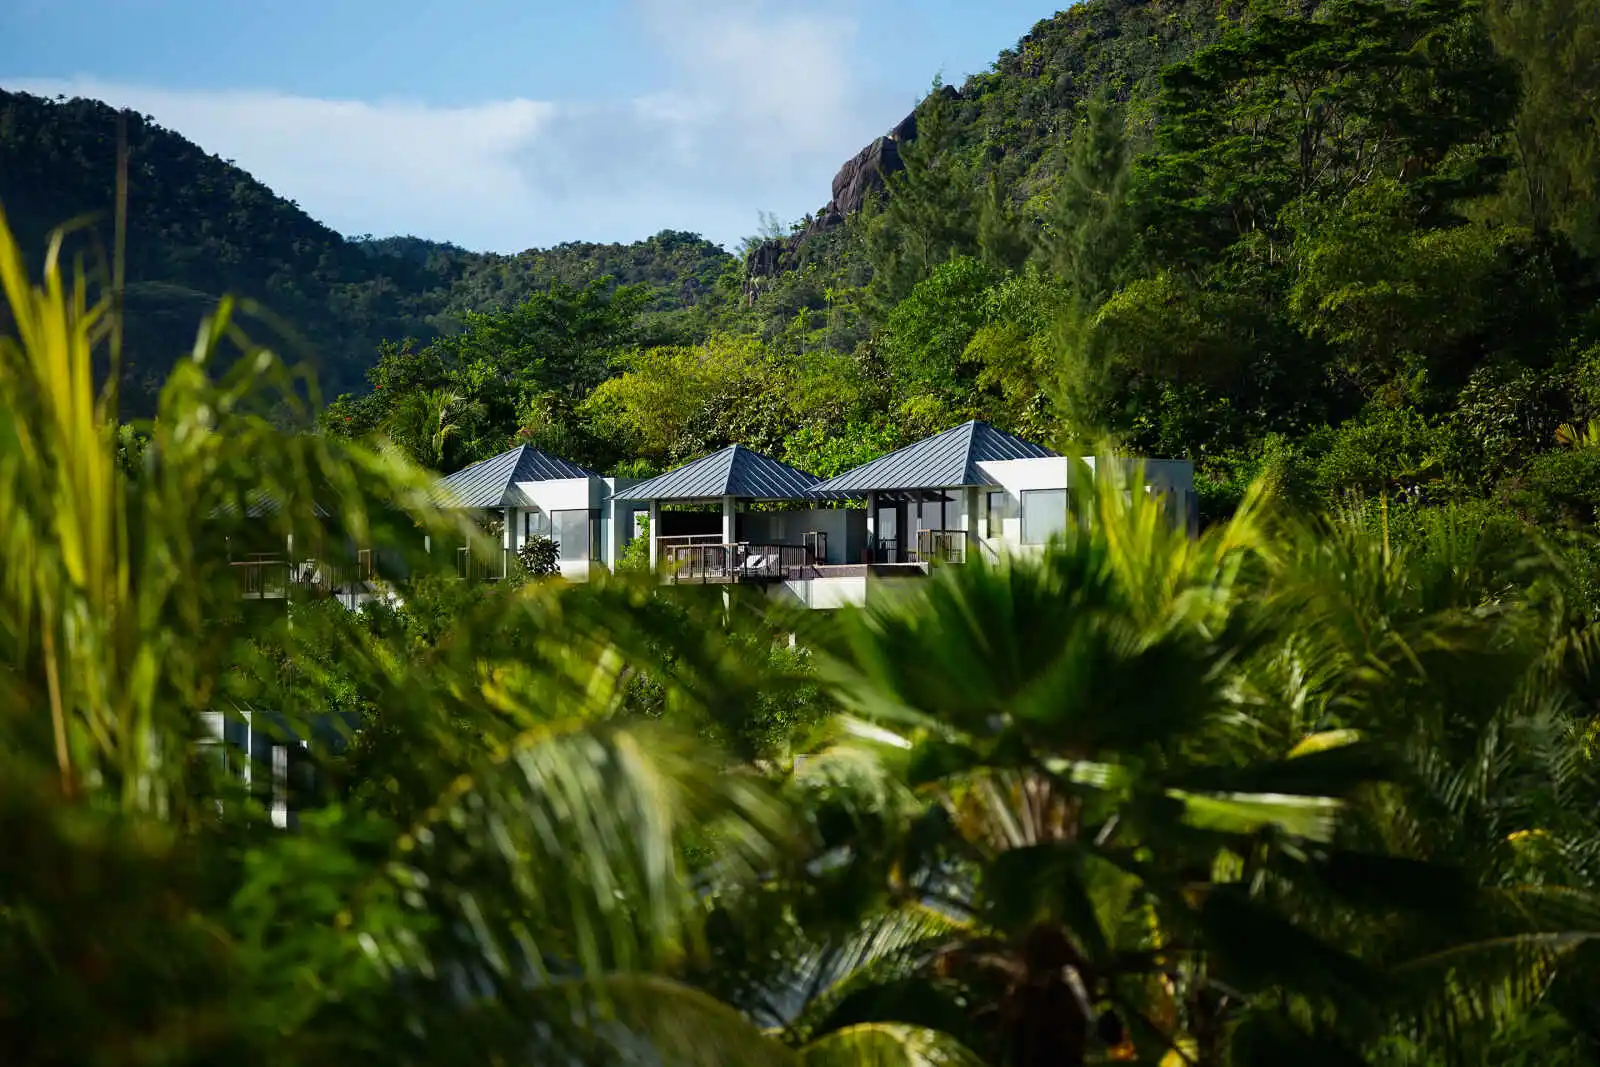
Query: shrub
[{"x": 538, "y": 558}]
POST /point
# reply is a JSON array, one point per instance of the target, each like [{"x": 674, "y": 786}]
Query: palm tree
[
  {"x": 1127, "y": 796},
  {"x": 1573, "y": 435},
  {"x": 423, "y": 424},
  {"x": 1022, "y": 756}
]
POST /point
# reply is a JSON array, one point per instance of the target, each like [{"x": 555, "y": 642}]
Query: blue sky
[{"x": 505, "y": 125}]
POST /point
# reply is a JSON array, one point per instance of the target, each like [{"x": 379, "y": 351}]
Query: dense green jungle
[{"x": 1318, "y": 786}]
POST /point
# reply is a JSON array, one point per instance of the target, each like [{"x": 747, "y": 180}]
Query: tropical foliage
[
  {"x": 1285, "y": 790},
  {"x": 1318, "y": 786}
]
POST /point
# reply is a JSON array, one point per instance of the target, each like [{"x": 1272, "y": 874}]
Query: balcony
[
  {"x": 932, "y": 546},
  {"x": 707, "y": 560},
  {"x": 263, "y": 576}
]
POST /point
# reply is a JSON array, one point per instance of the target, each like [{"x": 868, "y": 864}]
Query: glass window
[
  {"x": 887, "y": 517},
  {"x": 1000, "y": 509},
  {"x": 571, "y": 533},
  {"x": 1044, "y": 515},
  {"x": 535, "y": 523},
  {"x": 955, "y": 503}
]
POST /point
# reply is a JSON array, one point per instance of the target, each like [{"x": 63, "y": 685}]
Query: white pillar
[
  {"x": 280, "y": 786},
  {"x": 969, "y": 517},
  {"x": 611, "y": 542},
  {"x": 508, "y": 540},
  {"x": 730, "y": 520},
  {"x": 655, "y": 533}
]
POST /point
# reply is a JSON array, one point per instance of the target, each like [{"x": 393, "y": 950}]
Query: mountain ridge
[{"x": 200, "y": 226}]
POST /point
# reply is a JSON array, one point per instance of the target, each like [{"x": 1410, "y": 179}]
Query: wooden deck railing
[
  {"x": 932, "y": 546},
  {"x": 719, "y": 563},
  {"x": 941, "y": 546},
  {"x": 268, "y": 577}
]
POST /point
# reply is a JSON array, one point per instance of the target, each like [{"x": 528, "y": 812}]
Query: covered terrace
[
  {"x": 923, "y": 500},
  {"x": 721, "y": 519}
]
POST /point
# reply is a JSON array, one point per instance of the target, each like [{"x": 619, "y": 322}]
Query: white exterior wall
[
  {"x": 561, "y": 494},
  {"x": 823, "y": 592},
  {"x": 1013, "y": 477},
  {"x": 617, "y": 525},
  {"x": 790, "y": 528},
  {"x": 592, "y": 495}
]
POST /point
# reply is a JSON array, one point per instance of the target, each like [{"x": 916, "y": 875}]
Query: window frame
[
  {"x": 529, "y": 530},
  {"x": 585, "y": 540},
  {"x": 994, "y": 519},
  {"x": 1035, "y": 494}
]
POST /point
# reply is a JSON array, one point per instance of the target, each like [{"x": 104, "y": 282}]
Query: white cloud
[{"x": 762, "y": 109}]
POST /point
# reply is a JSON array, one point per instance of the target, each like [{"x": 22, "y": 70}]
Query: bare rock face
[{"x": 864, "y": 176}]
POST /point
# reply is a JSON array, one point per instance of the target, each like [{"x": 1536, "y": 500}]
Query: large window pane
[
  {"x": 1001, "y": 508},
  {"x": 571, "y": 533},
  {"x": 955, "y": 503},
  {"x": 535, "y": 523},
  {"x": 1044, "y": 515}
]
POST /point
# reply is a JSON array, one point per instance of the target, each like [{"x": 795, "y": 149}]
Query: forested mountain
[
  {"x": 1316, "y": 786},
  {"x": 1352, "y": 242},
  {"x": 198, "y": 227}
]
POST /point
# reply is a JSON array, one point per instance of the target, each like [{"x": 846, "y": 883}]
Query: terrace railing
[
  {"x": 721, "y": 563},
  {"x": 263, "y": 576},
  {"x": 932, "y": 546},
  {"x": 480, "y": 568},
  {"x": 941, "y": 546}
]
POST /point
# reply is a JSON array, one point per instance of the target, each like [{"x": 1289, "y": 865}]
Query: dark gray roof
[
  {"x": 492, "y": 482},
  {"x": 943, "y": 461},
  {"x": 735, "y": 471},
  {"x": 259, "y": 504}
]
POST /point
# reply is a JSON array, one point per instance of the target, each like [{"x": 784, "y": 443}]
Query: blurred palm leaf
[{"x": 887, "y": 1045}]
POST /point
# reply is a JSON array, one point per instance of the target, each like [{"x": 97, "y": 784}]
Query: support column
[
  {"x": 280, "y": 787},
  {"x": 730, "y": 520},
  {"x": 655, "y": 533},
  {"x": 508, "y": 539},
  {"x": 872, "y": 524},
  {"x": 970, "y": 524}
]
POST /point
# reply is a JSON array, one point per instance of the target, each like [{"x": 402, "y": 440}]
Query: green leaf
[
  {"x": 1045, "y": 883},
  {"x": 1313, "y": 818},
  {"x": 888, "y": 1045}
]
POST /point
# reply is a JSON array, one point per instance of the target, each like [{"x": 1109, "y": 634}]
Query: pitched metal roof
[
  {"x": 735, "y": 471},
  {"x": 259, "y": 504},
  {"x": 943, "y": 461},
  {"x": 492, "y": 482}
]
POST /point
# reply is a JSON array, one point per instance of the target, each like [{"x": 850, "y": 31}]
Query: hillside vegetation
[
  {"x": 199, "y": 227},
  {"x": 1354, "y": 244},
  {"x": 1349, "y": 244},
  {"x": 1316, "y": 786}
]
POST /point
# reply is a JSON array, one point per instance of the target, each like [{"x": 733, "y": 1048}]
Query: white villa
[
  {"x": 737, "y": 516},
  {"x": 733, "y": 517},
  {"x": 535, "y": 494}
]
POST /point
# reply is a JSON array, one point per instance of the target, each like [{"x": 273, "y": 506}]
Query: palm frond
[{"x": 887, "y": 1045}]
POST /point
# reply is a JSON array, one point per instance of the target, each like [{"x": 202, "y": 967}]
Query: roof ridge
[
  {"x": 732, "y": 452},
  {"x": 968, "y": 475},
  {"x": 730, "y": 471}
]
